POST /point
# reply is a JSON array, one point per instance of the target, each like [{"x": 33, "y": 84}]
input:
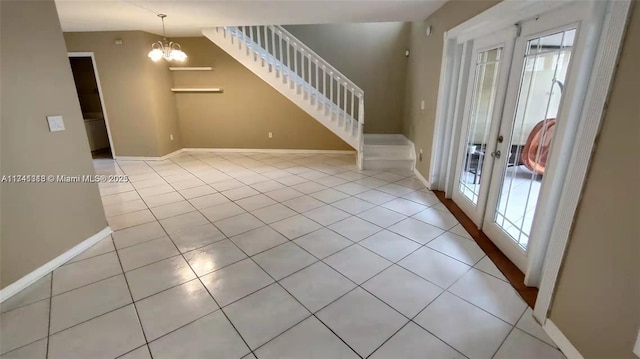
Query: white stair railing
[{"x": 296, "y": 65}]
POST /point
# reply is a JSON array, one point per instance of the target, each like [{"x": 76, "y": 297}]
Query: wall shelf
[
  {"x": 184, "y": 68},
  {"x": 196, "y": 89}
]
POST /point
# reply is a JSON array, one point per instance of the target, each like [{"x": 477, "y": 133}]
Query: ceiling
[{"x": 188, "y": 17}]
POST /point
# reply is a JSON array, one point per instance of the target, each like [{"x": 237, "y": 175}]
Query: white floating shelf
[
  {"x": 184, "y": 68},
  {"x": 197, "y": 89}
]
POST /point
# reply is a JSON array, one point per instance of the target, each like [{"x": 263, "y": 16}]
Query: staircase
[
  {"x": 293, "y": 69},
  {"x": 388, "y": 152}
]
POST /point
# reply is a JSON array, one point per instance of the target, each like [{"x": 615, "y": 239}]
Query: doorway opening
[{"x": 91, "y": 104}]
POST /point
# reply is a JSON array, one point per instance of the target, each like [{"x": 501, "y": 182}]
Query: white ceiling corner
[{"x": 189, "y": 17}]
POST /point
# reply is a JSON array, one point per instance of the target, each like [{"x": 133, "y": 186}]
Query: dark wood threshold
[{"x": 513, "y": 274}]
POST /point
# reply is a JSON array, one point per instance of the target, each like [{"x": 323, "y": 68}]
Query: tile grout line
[
  {"x": 312, "y": 314},
  {"x": 94, "y": 282},
  {"x": 357, "y": 285},
  {"x": 503, "y": 341},
  {"x": 24, "y": 305},
  {"x": 322, "y": 226},
  {"x": 205, "y": 287},
  {"x": 393, "y": 263},
  {"x": 283, "y": 288},
  {"x": 515, "y": 327},
  {"x": 134, "y": 349},
  {"x": 50, "y": 312},
  {"x": 329, "y": 266},
  {"x": 135, "y": 308}
]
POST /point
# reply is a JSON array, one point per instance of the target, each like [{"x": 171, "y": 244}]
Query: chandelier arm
[{"x": 170, "y": 50}]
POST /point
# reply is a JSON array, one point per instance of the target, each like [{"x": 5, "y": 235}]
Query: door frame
[
  {"x": 597, "y": 74},
  {"x": 104, "y": 109}
]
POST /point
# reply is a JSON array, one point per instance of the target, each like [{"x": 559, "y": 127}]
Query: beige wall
[
  {"x": 40, "y": 221},
  {"x": 143, "y": 112},
  {"x": 372, "y": 56},
  {"x": 423, "y": 72},
  {"x": 247, "y": 110},
  {"x": 137, "y": 92},
  {"x": 162, "y": 100},
  {"x": 597, "y": 299}
]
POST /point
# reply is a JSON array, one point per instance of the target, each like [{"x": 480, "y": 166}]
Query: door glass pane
[
  {"x": 543, "y": 78},
  {"x": 477, "y": 132}
]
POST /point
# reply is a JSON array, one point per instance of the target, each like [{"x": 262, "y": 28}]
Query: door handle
[{"x": 495, "y": 154}]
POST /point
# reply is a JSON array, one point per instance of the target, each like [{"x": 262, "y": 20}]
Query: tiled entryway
[{"x": 273, "y": 256}]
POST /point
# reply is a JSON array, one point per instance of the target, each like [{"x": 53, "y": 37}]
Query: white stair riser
[
  {"x": 387, "y": 151},
  {"x": 381, "y": 164}
]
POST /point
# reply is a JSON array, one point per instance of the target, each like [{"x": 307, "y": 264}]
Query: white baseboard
[
  {"x": 421, "y": 178},
  {"x": 268, "y": 150},
  {"x": 142, "y": 158},
  {"x": 231, "y": 150},
  {"x": 50, "y": 266},
  {"x": 561, "y": 341}
]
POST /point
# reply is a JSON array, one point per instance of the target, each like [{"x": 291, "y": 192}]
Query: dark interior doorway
[{"x": 91, "y": 105}]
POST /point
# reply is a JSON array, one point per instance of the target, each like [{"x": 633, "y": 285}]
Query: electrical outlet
[
  {"x": 420, "y": 155},
  {"x": 171, "y": 137},
  {"x": 270, "y": 134}
]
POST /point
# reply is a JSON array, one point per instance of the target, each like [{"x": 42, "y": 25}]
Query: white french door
[
  {"x": 513, "y": 116},
  {"x": 529, "y": 130},
  {"x": 487, "y": 79}
]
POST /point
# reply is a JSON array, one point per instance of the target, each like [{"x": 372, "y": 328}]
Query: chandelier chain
[{"x": 164, "y": 32}]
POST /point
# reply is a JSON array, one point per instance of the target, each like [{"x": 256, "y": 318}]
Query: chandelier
[{"x": 169, "y": 50}]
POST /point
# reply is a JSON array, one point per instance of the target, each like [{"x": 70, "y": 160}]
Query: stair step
[
  {"x": 383, "y": 150},
  {"x": 387, "y": 152},
  {"x": 388, "y": 164},
  {"x": 386, "y": 140},
  {"x": 390, "y": 154},
  {"x": 383, "y": 147},
  {"x": 388, "y": 157}
]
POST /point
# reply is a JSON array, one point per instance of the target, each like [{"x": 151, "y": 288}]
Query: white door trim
[
  {"x": 104, "y": 109},
  {"x": 563, "y": 343},
  {"x": 608, "y": 48},
  {"x": 570, "y": 116}
]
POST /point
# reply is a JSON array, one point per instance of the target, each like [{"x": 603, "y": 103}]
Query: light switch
[
  {"x": 422, "y": 105},
  {"x": 55, "y": 123}
]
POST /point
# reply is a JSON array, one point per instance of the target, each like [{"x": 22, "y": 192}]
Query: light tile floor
[{"x": 272, "y": 256}]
